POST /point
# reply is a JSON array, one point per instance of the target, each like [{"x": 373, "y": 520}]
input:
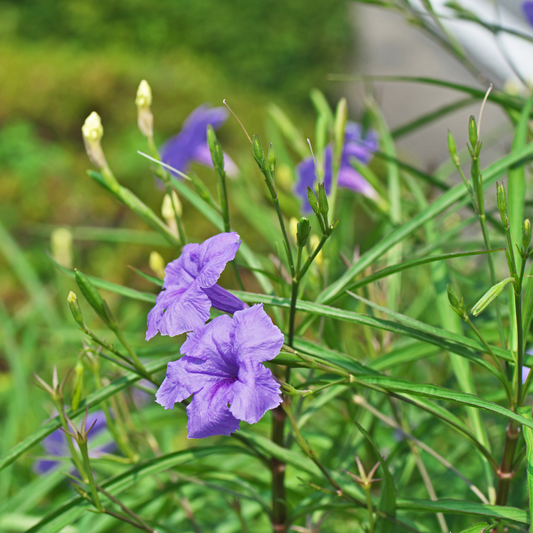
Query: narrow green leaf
[
  {"x": 528, "y": 436},
  {"x": 387, "y": 502},
  {"x": 482, "y": 527}
]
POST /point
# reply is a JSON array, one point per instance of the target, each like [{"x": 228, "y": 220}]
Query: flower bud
[
  {"x": 456, "y": 304},
  {"x": 302, "y": 232},
  {"x": 490, "y": 296},
  {"x": 526, "y": 234},
  {"x": 95, "y": 300},
  {"x": 452, "y": 148},
  {"x": 93, "y": 132},
  {"x": 61, "y": 244},
  {"x": 501, "y": 200},
  {"x": 167, "y": 211},
  {"x": 143, "y": 101},
  {"x": 293, "y": 227},
  {"x": 201, "y": 188},
  {"x": 157, "y": 264},
  {"x": 313, "y": 202},
  {"x": 323, "y": 205},
  {"x": 341, "y": 116},
  {"x": 472, "y": 131},
  {"x": 259, "y": 154},
  {"x": 217, "y": 155},
  {"x": 74, "y": 307}
]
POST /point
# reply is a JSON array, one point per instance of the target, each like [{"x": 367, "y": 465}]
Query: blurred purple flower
[
  {"x": 190, "y": 288},
  {"x": 355, "y": 147},
  {"x": 56, "y": 444},
  {"x": 222, "y": 368},
  {"x": 525, "y": 373},
  {"x": 527, "y": 8},
  {"x": 190, "y": 144}
]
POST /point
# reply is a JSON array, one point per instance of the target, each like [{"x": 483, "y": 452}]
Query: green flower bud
[
  {"x": 526, "y": 234},
  {"x": 456, "y": 303},
  {"x": 313, "y": 202},
  {"x": 259, "y": 154},
  {"x": 341, "y": 116},
  {"x": 472, "y": 131},
  {"x": 95, "y": 300},
  {"x": 501, "y": 200},
  {"x": 323, "y": 205},
  {"x": 217, "y": 154},
  {"x": 157, "y": 264},
  {"x": 452, "y": 148},
  {"x": 201, "y": 188},
  {"x": 302, "y": 232},
  {"x": 490, "y": 296},
  {"x": 75, "y": 309},
  {"x": 61, "y": 244},
  {"x": 93, "y": 132}
]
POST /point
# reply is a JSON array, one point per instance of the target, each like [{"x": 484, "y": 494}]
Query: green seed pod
[
  {"x": 490, "y": 296},
  {"x": 302, "y": 232},
  {"x": 94, "y": 299},
  {"x": 259, "y": 154},
  {"x": 313, "y": 202},
  {"x": 501, "y": 199},
  {"x": 217, "y": 154},
  {"x": 74, "y": 307},
  {"x": 472, "y": 131},
  {"x": 526, "y": 234},
  {"x": 323, "y": 205}
]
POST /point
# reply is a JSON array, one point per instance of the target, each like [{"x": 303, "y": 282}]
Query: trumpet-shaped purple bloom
[
  {"x": 222, "y": 368},
  {"x": 355, "y": 147},
  {"x": 190, "y": 144},
  {"x": 56, "y": 444},
  {"x": 190, "y": 288},
  {"x": 527, "y": 8}
]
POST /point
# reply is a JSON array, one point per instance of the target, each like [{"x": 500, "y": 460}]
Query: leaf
[
  {"x": 528, "y": 436},
  {"x": 482, "y": 527},
  {"x": 387, "y": 502},
  {"x": 92, "y": 400},
  {"x": 152, "y": 279}
]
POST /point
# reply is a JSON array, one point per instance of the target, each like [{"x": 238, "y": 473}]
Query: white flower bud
[
  {"x": 145, "y": 119},
  {"x": 167, "y": 210},
  {"x": 61, "y": 244},
  {"x": 157, "y": 264},
  {"x": 93, "y": 132}
]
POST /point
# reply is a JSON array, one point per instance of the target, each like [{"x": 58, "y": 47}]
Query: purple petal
[
  {"x": 42, "y": 466},
  {"x": 256, "y": 338},
  {"x": 209, "y": 414},
  {"x": 222, "y": 299},
  {"x": 174, "y": 388},
  {"x": 177, "y": 311},
  {"x": 202, "y": 155},
  {"x": 353, "y": 134},
  {"x": 527, "y": 8},
  {"x": 56, "y": 443},
  {"x": 213, "y": 255},
  {"x": 349, "y": 178},
  {"x": 525, "y": 373},
  {"x": 179, "y": 150},
  {"x": 183, "y": 271},
  {"x": 254, "y": 393}
]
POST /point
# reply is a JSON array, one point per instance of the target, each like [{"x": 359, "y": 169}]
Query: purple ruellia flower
[
  {"x": 355, "y": 147},
  {"x": 190, "y": 288},
  {"x": 527, "y": 9},
  {"x": 56, "y": 444},
  {"x": 525, "y": 373},
  {"x": 222, "y": 368},
  {"x": 190, "y": 144}
]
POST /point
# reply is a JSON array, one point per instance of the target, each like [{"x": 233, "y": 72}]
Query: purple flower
[
  {"x": 56, "y": 444},
  {"x": 190, "y": 144},
  {"x": 525, "y": 373},
  {"x": 190, "y": 288},
  {"x": 355, "y": 147},
  {"x": 527, "y": 8},
  {"x": 222, "y": 369}
]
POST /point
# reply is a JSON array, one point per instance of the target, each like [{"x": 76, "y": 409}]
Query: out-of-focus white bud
[
  {"x": 284, "y": 177},
  {"x": 293, "y": 228},
  {"x": 157, "y": 264},
  {"x": 61, "y": 244},
  {"x": 93, "y": 132},
  {"x": 167, "y": 210},
  {"x": 145, "y": 119},
  {"x": 314, "y": 241}
]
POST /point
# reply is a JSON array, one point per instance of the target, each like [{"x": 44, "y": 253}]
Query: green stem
[
  {"x": 311, "y": 258},
  {"x": 92, "y": 484},
  {"x": 279, "y": 504},
  {"x": 136, "y": 361},
  {"x": 505, "y": 473},
  {"x": 73, "y": 452},
  {"x": 370, "y": 510}
]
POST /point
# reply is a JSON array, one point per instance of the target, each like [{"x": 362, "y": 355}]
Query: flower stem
[
  {"x": 85, "y": 454},
  {"x": 370, "y": 510}
]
